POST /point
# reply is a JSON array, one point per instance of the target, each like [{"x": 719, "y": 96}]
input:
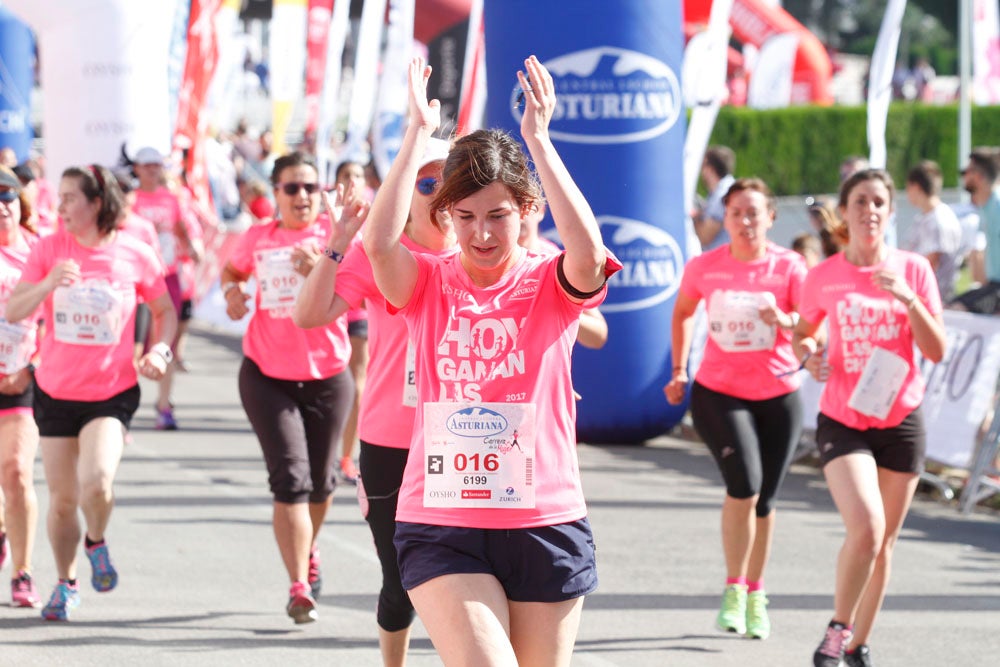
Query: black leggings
[
  {"x": 381, "y": 476},
  {"x": 752, "y": 441},
  {"x": 299, "y": 426}
]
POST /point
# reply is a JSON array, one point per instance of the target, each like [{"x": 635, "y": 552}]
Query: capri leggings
[
  {"x": 378, "y": 491},
  {"x": 752, "y": 441},
  {"x": 299, "y": 425}
]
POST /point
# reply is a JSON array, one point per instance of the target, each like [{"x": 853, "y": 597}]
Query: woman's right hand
[
  {"x": 236, "y": 302},
  {"x": 817, "y": 365},
  {"x": 676, "y": 389},
  {"x": 423, "y": 113},
  {"x": 63, "y": 274}
]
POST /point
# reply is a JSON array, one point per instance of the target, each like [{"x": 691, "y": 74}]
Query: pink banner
[
  {"x": 192, "y": 116},
  {"x": 317, "y": 34}
]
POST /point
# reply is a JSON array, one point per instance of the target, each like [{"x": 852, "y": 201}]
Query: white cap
[
  {"x": 435, "y": 151},
  {"x": 148, "y": 155}
]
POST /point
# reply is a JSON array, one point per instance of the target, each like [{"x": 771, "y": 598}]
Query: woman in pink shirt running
[
  {"x": 294, "y": 382},
  {"x": 494, "y": 546},
  {"x": 388, "y": 403},
  {"x": 89, "y": 278},
  {"x": 878, "y": 302},
  {"x": 18, "y": 432},
  {"x": 744, "y": 401}
]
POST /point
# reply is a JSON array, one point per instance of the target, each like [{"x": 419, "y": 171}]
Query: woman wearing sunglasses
[
  {"x": 294, "y": 383},
  {"x": 495, "y": 549},
  {"x": 744, "y": 401},
  {"x": 388, "y": 403},
  {"x": 89, "y": 278},
  {"x": 18, "y": 432}
]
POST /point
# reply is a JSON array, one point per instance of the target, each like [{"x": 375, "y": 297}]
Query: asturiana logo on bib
[
  {"x": 652, "y": 263},
  {"x": 608, "y": 95},
  {"x": 476, "y": 421}
]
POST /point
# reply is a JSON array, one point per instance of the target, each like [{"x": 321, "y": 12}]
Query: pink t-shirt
[
  {"x": 18, "y": 340},
  {"x": 863, "y": 318},
  {"x": 142, "y": 229},
  {"x": 163, "y": 209},
  {"x": 388, "y": 403},
  {"x": 508, "y": 345},
  {"x": 281, "y": 349},
  {"x": 743, "y": 356},
  {"x": 88, "y": 344}
]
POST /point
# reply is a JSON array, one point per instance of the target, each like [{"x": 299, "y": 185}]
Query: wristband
[
  {"x": 228, "y": 286},
  {"x": 913, "y": 300},
  {"x": 337, "y": 257},
  {"x": 164, "y": 351}
]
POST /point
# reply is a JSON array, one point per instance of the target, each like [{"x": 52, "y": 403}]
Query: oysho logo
[
  {"x": 652, "y": 264},
  {"x": 609, "y": 95},
  {"x": 476, "y": 422}
]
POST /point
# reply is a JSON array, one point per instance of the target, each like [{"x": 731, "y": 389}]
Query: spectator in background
[
  {"x": 979, "y": 179},
  {"x": 43, "y": 220},
  {"x": 852, "y": 164},
  {"x": 923, "y": 77},
  {"x": 809, "y": 247},
  {"x": 824, "y": 221},
  {"x": 936, "y": 233},
  {"x": 8, "y": 158},
  {"x": 254, "y": 193},
  {"x": 717, "y": 176}
]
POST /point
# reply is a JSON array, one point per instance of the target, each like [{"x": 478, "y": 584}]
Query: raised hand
[
  {"x": 539, "y": 98},
  {"x": 422, "y": 112}
]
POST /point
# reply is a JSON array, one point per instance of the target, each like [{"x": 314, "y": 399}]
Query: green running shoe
[
  {"x": 733, "y": 614},
  {"x": 758, "y": 624}
]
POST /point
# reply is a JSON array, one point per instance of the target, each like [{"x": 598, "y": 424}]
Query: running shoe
[
  {"x": 22, "y": 591},
  {"x": 830, "y": 652},
  {"x": 3, "y": 548},
  {"x": 758, "y": 624},
  {"x": 733, "y": 614},
  {"x": 301, "y": 605},
  {"x": 861, "y": 656},
  {"x": 315, "y": 575},
  {"x": 165, "y": 420},
  {"x": 104, "y": 577},
  {"x": 64, "y": 598},
  {"x": 348, "y": 471}
]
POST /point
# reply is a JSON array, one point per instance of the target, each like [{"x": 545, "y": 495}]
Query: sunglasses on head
[
  {"x": 8, "y": 195},
  {"x": 427, "y": 186},
  {"x": 292, "y": 189}
]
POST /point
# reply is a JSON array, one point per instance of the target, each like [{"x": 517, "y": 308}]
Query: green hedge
[{"x": 798, "y": 150}]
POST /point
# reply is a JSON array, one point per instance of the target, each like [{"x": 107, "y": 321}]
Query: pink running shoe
[
  {"x": 315, "y": 575},
  {"x": 22, "y": 591},
  {"x": 301, "y": 605}
]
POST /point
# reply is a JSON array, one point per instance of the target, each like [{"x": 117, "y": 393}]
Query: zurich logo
[
  {"x": 608, "y": 95},
  {"x": 476, "y": 421},
  {"x": 652, "y": 263}
]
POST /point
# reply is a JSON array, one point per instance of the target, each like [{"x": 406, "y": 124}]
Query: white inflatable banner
[
  {"x": 985, "y": 51},
  {"x": 105, "y": 73},
  {"x": 880, "y": 80},
  {"x": 771, "y": 81}
]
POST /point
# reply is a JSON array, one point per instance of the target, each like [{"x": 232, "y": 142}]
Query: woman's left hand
[
  {"x": 894, "y": 284},
  {"x": 539, "y": 98},
  {"x": 152, "y": 366},
  {"x": 16, "y": 383},
  {"x": 304, "y": 258}
]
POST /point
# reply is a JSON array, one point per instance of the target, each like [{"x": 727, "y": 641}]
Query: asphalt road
[{"x": 201, "y": 582}]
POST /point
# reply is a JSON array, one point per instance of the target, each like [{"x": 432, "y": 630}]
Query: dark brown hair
[
  {"x": 752, "y": 184},
  {"x": 481, "y": 158},
  {"x": 25, "y": 220},
  {"x": 97, "y": 182},
  {"x": 926, "y": 175}
]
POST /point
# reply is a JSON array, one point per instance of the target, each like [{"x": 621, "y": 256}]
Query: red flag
[
  {"x": 317, "y": 35},
  {"x": 192, "y": 115}
]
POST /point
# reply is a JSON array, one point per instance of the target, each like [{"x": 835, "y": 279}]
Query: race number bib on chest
[
  {"x": 280, "y": 283},
  {"x": 734, "y": 321},
  {"x": 91, "y": 313},
  {"x": 479, "y": 455}
]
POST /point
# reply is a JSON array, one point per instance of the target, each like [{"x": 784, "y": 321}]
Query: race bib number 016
[
  {"x": 90, "y": 313},
  {"x": 280, "y": 283},
  {"x": 734, "y": 321},
  {"x": 479, "y": 455}
]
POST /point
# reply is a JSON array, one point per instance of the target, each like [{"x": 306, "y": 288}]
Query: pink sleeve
[
  {"x": 925, "y": 284},
  {"x": 796, "y": 277},
  {"x": 809, "y": 307},
  {"x": 242, "y": 255},
  {"x": 689, "y": 279},
  {"x": 151, "y": 284},
  {"x": 37, "y": 265}
]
